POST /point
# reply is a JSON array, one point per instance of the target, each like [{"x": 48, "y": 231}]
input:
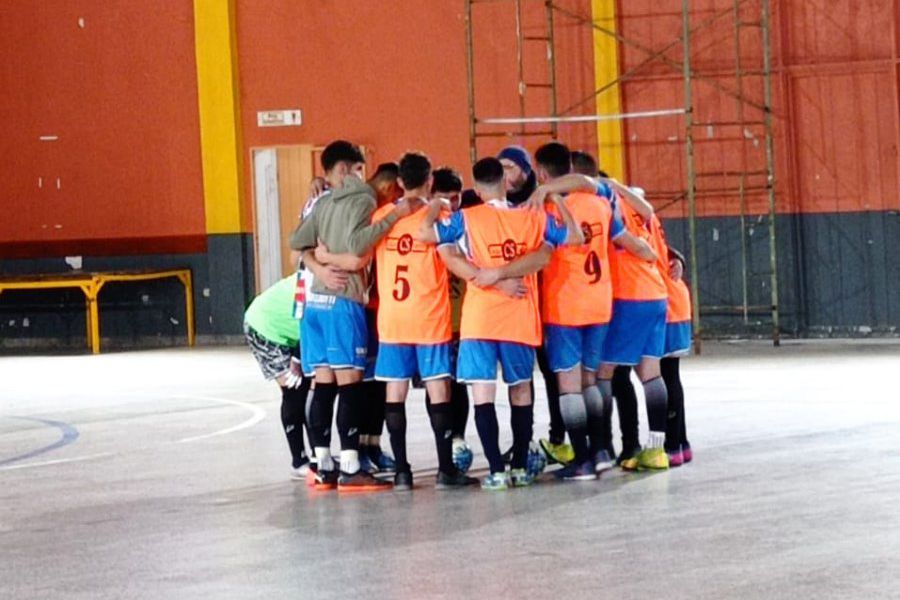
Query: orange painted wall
[
  {"x": 391, "y": 75},
  {"x": 835, "y": 91},
  {"x": 121, "y": 95}
]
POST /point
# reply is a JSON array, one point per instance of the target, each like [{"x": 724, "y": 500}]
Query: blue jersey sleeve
[
  {"x": 555, "y": 233},
  {"x": 451, "y": 229},
  {"x": 604, "y": 191},
  {"x": 616, "y": 225}
]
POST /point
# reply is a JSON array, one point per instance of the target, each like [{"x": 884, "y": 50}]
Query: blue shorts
[
  {"x": 478, "y": 361},
  {"x": 637, "y": 330},
  {"x": 568, "y": 347},
  {"x": 678, "y": 338},
  {"x": 399, "y": 362},
  {"x": 333, "y": 333}
]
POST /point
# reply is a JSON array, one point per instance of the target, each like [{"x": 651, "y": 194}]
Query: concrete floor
[{"x": 163, "y": 474}]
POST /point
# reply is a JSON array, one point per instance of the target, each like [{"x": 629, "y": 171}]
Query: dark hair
[
  {"x": 584, "y": 163},
  {"x": 555, "y": 158},
  {"x": 341, "y": 151},
  {"x": 446, "y": 180},
  {"x": 469, "y": 199},
  {"x": 602, "y": 173},
  {"x": 414, "y": 170},
  {"x": 488, "y": 171},
  {"x": 388, "y": 168}
]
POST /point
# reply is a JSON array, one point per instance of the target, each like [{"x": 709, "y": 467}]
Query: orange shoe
[{"x": 361, "y": 482}]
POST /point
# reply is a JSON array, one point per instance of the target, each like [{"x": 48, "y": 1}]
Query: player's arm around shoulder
[
  {"x": 572, "y": 235},
  {"x": 446, "y": 231}
]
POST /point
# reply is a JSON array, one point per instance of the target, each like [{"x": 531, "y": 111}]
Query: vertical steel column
[
  {"x": 470, "y": 71},
  {"x": 520, "y": 63},
  {"x": 551, "y": 61},
  {"x": 742, "y": 197},
  {"x": 770, "y": 168},
  {"x": 691, "y": 176}
]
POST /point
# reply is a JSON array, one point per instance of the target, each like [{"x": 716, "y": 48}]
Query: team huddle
[{"x": 544, "y": 260}]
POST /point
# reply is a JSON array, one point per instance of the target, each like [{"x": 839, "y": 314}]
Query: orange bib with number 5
[{"x": 414, "y": 297}]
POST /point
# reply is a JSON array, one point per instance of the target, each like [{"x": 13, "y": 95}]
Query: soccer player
[
  {"x": 636, "y": 334},
  {"x": 333, "y": 330},
  {"x": 495, "y": 326},
  {"x": 678, "y": 344},
  {"x": 387, "y": 191},
  {"x": 414, "y": 326},
  {"x": 521, "y": 180},
  {"x": 577, "y": 307},
  {"x": 272, "y": 333},
  {"x": 447, "y": 185}
]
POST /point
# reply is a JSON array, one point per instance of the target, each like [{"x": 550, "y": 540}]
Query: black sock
[
  {"x": 459, "y": 400},
  {"x": 656, "y": 397},
  {"x": 293, "y": 407},
  {"x": 489, "y": 433},
  {"x": 348, "y": 414},
  {"x": 442, "y": 426},
  {"x": 521, "y": 419},
  {"x": 675, "y": 418},
  {"x": 373, "y": 408},
  {"x": 395, "y": 418},
  {"x": 321, "y": 413},
  {"x": 575, "y": 416},
  {"x": 626, "y": 403},
  {"x": 557, "y": 434}
]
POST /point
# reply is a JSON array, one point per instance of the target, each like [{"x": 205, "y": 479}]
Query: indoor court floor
[{"x": 164, "y": 474}]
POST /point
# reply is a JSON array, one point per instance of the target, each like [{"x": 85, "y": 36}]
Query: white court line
[
  {"x": 58, "y": 461},
  {"x": 258, "y": 415}
]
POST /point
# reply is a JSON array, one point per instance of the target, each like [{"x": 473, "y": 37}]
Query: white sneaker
[{"x": 300, "y": 472}]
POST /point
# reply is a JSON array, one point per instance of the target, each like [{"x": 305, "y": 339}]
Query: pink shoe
[
  {"x": 676, "y": 459},
  {"x": 687, "y": 452}
]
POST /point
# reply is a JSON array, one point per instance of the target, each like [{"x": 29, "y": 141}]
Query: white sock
[
  {"x": 657, "y": 439},
  {"x": 349, "y": 461},
  {"x": 323, "y": 459}
]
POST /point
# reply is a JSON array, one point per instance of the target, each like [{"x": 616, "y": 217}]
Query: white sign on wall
[{"x": 279, "y": 118}]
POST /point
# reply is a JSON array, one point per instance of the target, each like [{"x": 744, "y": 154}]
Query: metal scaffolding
[{"x": 733, "y": 184}]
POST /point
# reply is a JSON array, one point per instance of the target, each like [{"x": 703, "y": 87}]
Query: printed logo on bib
[
  {"x": 508, "y": 250},
  {"x": 405, "y": 244}
]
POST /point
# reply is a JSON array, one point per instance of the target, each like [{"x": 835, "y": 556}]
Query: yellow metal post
[
  {"x": 610, "y": 149},
  {"x": 220, "y": 134}
]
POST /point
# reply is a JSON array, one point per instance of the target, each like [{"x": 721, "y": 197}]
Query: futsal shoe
[
  {"x": 521, "y": 477},
  {"x": 365, "y": 463},
  {"x": 299, "y": 473},
  {"x": 373, "y": 460},
  {"x": 462, "y": 454},
  {"x": 652, "y": 459},
  {"x": 676, "y": 457},
  {"x": 326, "y": 480},
  {"x": 687, "y": 452},
  {"x": 495, "y": 482},
  {"x": 603, "y": 461},
  {"x": 536, "y": 461},
  {"x": 452, "y": 481},
  {"x": 577, "y": 472},
  {"x": 628, "y": 456},
  {"x": 558, "y": 453},
  {"x": 403, "y": 481},
  {"x": 361, "y": 482}
]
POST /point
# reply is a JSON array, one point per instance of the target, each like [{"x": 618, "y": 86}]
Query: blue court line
[{"x": 69, "y": 435}]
